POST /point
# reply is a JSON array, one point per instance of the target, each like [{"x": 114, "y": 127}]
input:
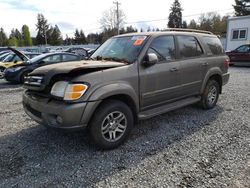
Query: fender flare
[
  {"x": 115, "y": 89},
  {"x": 213, "y": 71}
]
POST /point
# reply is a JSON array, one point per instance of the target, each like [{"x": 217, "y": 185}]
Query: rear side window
[
  {"x": 189, "y": 47},
  {"x": 214, "y": 45},
  {"x": 164, "y": 46}
]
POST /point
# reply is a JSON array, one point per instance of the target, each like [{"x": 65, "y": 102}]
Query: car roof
[{"x": 160, "y": 33}]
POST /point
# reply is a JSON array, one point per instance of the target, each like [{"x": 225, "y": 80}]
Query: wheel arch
[{"x": 215, "y": 74}]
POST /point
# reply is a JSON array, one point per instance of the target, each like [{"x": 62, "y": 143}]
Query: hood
[
  {"x": 67, "y": 69},
  {"x": 70, "y": 67},
  {"x": 22, "y": 56}
]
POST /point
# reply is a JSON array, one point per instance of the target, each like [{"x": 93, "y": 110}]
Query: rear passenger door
[
  {"x": 192, "y": 64},
  {"x": 160, "y": 83}
]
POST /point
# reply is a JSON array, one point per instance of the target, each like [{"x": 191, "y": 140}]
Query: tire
[
  {"x": 1, "y": 72},
  {"x": 22, "y": 76},
  {"x": 111, "y": 124},
  {"x": 210, "y": 95}
]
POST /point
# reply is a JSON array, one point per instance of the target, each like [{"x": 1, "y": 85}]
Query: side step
[{"x": 168, "y": 107}]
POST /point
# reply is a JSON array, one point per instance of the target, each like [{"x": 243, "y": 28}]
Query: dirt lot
[{"x": 189, "y": 147}]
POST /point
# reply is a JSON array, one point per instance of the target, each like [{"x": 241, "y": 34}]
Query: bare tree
[{"x": 109, "y": 19}]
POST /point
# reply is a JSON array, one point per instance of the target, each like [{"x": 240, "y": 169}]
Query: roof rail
[{"x": 188, "y": 30}]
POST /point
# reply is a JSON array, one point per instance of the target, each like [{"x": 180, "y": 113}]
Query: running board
[{"x": 168, "y": 107}]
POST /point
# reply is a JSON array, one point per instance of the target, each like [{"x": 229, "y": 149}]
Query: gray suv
[{"x": 130, "y": 77}]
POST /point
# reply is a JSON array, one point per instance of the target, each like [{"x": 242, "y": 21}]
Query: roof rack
[{"x": 189, "y": 30}]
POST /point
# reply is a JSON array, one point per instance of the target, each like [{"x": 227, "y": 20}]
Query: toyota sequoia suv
[{"x": 130, "y": 77}]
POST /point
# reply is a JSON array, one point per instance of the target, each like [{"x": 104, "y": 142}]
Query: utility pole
[{"x": 117, "y": 16}]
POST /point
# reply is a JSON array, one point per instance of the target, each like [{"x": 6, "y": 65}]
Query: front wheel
[
  {"x": 210, "y": 95},
  {"x": 23, "y": 75},
  {"x": 111, "y": 124},
  {"x": 1, "y": 72}
]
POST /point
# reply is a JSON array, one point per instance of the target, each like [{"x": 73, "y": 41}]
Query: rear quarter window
[{"x": 214, "y": 44}]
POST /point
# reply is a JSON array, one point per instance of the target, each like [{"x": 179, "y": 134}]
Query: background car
[
  {"x": 15, "y": 57},
  {"x": 3, "y": 54},
  {"x": 18, "y": 72},
  {"x": 240, "y": 55},
  {"x": 79, "y": 51}
]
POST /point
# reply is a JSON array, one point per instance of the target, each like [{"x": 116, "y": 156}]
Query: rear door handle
[
  {"x": 205, "y": 64},
  {"x": 173, "y": 70}
]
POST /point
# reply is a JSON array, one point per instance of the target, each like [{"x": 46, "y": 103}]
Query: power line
[
  {"x": 185, "y": 16},
  {"x": 155, "y": 20}
]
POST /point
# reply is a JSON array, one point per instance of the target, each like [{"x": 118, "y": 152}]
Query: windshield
[
  {"x": 37, "y": 58},
  {"x": 121, "y": 49}
]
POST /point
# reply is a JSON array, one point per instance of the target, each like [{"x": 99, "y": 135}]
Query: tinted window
[
  {"x": 70, "y": 58},
  {"x": 52, "y": 59},
  {"x": 214, "y": 45},
  {"x": 16, "y": 58},
  {"x": 243, "y": 49},
  {"x": 189, "y": 46},
  {"x": 165, "y": 48}
]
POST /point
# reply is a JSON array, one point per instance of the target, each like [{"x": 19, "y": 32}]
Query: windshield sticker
[{"x": 138, "y": 40}]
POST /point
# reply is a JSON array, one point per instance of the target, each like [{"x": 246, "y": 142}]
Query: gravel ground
[{"x": 189, "y": 147}]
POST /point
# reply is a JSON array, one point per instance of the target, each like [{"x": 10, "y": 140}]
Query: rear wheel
[
  {"x": 1, "y": 72},
  {"x": 210, "y": 95},
  {"x": 111, "y": 124}
]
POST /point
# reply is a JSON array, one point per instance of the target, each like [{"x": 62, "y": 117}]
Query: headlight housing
[{"x": 68, "y": 91}]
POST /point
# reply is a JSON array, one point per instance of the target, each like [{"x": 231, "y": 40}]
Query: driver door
[{"x": 160, "y": 83}]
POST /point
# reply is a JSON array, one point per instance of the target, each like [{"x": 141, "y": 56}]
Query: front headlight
[{"x": 68, "y": 91}]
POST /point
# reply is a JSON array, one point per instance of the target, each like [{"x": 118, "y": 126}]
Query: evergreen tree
[
  {"x": 242, "y": 7},
  {"x": 27, "y": 41},
  {"x": 42, "y": 27},
  {"x": 55, "y": 36},
  {"x": 3, "y": 38},
  {"x": 175, "y": 16},
  {"x": 15, "y": 38},
  {"x": 193, "y": 25},
  {"x": 82, "y": 38},
  {"x": 184, "y": 24},
  {"x": 77, "y": 37}
]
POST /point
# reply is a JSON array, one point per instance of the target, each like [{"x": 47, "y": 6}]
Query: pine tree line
[{"x": 16, "y": 37}]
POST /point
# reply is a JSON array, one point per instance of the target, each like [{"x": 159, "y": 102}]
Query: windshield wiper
[{"x": 116, "y": 59}]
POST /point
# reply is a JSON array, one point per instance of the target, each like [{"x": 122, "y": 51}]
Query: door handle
[
  {"x": 173, "y": 69},
  {"x": 205, "y": 64}
]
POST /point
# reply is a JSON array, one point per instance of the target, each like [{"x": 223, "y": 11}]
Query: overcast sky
[{"x": 85, "y": 14}]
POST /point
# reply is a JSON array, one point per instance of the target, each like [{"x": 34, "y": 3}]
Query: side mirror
[{"x": 150, "y": 59}]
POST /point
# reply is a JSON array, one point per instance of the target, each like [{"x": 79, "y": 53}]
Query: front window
[{"x": 121, "y": 49}]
